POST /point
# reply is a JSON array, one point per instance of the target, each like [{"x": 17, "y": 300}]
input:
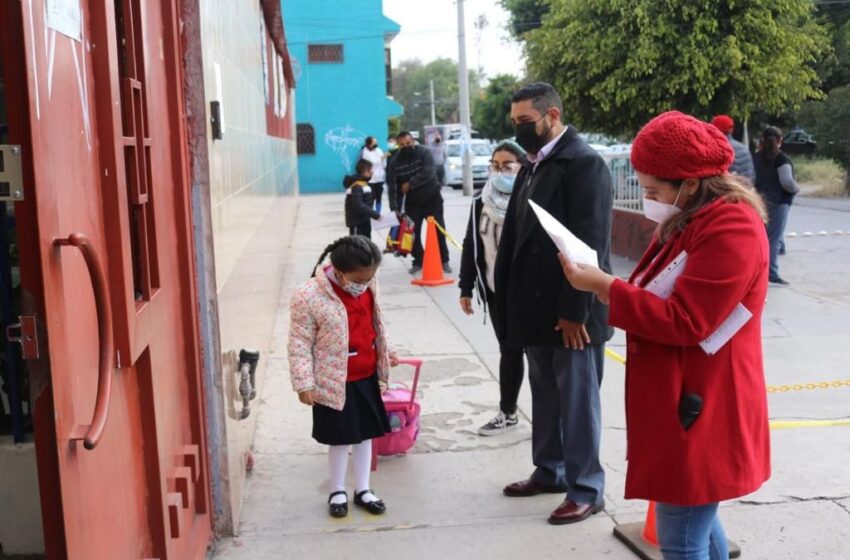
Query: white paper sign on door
[{"x": 65, "y": 17}]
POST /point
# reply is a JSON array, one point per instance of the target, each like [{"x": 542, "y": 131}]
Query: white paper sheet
[
  {"x": 662, "y": 284},
  {"x": 386, "y": 221},
  {"x": 737, "y": 319},
  {"x": 567, "y": 243}
]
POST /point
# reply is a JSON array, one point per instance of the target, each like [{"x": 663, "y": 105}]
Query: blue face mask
[{"x": 504, "y": 183}]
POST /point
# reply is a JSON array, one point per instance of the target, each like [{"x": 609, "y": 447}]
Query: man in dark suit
[{"x": 563, "y": 330}]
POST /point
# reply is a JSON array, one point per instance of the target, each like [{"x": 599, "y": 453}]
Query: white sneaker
[{"x": 500, "y": 424}]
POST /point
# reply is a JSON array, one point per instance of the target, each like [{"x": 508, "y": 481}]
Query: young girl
[{"x": 338, "y": 352}]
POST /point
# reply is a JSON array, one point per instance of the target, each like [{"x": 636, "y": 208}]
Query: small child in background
[
  {"x": 338, "y": 353},
  {"x": 359, "y": 202}
]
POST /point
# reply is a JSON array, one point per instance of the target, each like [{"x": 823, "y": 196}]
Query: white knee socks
[
  {"x": 338, "y": 461},
  {"x": 363, "y": 468}
]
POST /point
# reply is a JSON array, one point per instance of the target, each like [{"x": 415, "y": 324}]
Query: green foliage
[
  {"x": 828, "y": 121},
  {"x": 411, "y": 88},
  {"x": 834, "y": 69},
  {"x": 492, "y": 117},
  {"x": 618, "y": 63},
  {"x": 393, "y": 127},
  {"x": 525, "y": 15}
]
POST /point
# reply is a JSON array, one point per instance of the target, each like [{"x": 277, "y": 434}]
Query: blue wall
[{"x": 343, "y": 102}]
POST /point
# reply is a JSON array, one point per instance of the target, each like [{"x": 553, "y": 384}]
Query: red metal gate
[{"x": 110, "y": 198}]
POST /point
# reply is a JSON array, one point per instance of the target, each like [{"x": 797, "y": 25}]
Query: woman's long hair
[{"x": 731, "y": 188}]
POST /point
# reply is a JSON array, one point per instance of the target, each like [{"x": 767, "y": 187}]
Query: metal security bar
[{"x": 627, "y": 191}]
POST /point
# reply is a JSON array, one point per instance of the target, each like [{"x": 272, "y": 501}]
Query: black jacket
[
  {"x": 574, "y": 185},
  {"x": 416, "y": 168},
  {"x": 359, "y": 201}
]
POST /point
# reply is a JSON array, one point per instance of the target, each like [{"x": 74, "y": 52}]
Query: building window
[
  {"x": 317, "y": 54},
  {"x": 306, "y": 139},
  {"x": 388, "y": 65}
]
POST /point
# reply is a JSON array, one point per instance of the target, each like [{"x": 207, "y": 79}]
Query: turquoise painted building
[{"x": 340, "y": 51}]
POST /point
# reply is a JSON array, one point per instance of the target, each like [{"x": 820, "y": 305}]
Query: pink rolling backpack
[{"x": 403, "y": 412}]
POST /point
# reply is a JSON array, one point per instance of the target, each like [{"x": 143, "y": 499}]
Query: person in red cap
[
  {"x": 696, "y": 402},
  {"x": 743, "y": 163}
]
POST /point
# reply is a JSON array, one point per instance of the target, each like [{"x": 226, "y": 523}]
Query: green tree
[
  {"x": 393, "y": 127},
  {"x": 617, "y": 63},
  {"x": 834, "y": 69},
  {"x": 493, "y": 110},
  {"x": 411, "y": 88},
  {"x": 525, "y": 15},
  {"x": 829, "y": 122}
]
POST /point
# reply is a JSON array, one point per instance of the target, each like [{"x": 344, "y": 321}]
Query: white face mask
[
  {"x": 355, "y": 289},
  {"x": 660, "y": 212}
]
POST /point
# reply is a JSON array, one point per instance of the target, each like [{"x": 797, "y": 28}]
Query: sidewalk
[{"x": 444, "y": 499}]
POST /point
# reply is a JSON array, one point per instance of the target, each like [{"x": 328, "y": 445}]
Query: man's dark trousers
[
  {"x": 419, "y": 213},
  {"x": 567, "y": 419}
]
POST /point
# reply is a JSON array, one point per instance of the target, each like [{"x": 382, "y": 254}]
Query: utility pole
[
  {"x": 433, "y": 108},
  {"x": 465, "y": 123}
]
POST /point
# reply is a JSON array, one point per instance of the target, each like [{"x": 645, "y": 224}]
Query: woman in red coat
[{"x": 696, "y": 403}]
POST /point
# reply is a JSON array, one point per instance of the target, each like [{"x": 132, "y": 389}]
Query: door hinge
[{"x": 28, "y": 338}]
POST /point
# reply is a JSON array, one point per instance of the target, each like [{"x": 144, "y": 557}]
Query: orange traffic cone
[
  {"x": 432, "y": 266},
  {"x": 649, "y": 534}
]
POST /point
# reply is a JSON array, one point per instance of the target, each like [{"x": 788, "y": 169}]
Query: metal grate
[
  {"x": 306, "y": 139},
  {"x": 317, "y": 54},
  {"x": 627, "y": 191}
]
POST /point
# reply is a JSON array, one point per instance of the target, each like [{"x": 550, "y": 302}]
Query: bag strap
[{"x": 417, "y": 363}]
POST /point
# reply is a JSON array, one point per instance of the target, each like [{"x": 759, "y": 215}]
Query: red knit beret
[
  {"x": 678, "y": 146},
  {"x": 724, "y": 123}
]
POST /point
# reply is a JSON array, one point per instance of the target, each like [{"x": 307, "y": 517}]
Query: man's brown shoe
[
  {"x": 526, "y": 488},
  {"x": 571, "y": 512}
]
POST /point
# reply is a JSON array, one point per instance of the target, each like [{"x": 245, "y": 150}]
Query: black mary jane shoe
[
  {"x": 338, "y": 510},
  {"x": 375, "y": 508}
]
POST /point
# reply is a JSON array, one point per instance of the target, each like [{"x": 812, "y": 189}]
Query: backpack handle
[{"x": 417, "y": 363}]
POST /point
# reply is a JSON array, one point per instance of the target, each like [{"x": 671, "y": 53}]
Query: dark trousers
[
  {"x": 511, "y": 370},
  {"x": 777, "y": 218},
  {"x": 362, "y": 229},
  {"x": 567, "y": 419},
  {"x": 377, "y": 193},
  {"x": 418, "y": 213},
  {"x": 441, "y": 174}
]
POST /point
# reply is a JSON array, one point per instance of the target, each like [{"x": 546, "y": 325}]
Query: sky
[{"x": 429, "y": 31}]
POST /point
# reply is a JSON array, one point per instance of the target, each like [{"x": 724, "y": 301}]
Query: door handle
[{"x": 91, "y": 434}]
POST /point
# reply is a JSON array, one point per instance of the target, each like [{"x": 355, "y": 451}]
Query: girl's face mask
[{"x": 503, "y": 182}]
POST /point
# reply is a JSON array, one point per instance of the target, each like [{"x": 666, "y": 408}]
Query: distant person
[
  {"x": 562, "y": 329},
  {"x": 477, "y": 272},
  {"x": 775, "y": 181},
  {"x": 412, "y": 182},
  {"x": 743, "y": 164},
  {"x": 373, "y": 154},
  {"x": 440, "y": 154},
  {"x": 696, "y": 419},
  {"x": 338, "y": 352},
  {"x": 359, "y": 210}
]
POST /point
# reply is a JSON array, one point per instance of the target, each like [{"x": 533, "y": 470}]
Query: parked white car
[{"x": 481, "y": 152}]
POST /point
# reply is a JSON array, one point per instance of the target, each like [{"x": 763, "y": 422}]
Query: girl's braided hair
[{"x": 350, "y": 253}]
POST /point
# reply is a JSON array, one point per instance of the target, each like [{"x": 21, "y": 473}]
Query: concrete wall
[
  {"x": 253, "y": 182},
  {"x": 343, "y": 102},
  {"x": 631, "y": 233}
]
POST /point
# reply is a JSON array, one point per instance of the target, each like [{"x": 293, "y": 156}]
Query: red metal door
[{"x": 112, "y": 204}]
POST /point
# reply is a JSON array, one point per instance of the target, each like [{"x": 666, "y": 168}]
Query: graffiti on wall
[{"x": 345, "y": 142}]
